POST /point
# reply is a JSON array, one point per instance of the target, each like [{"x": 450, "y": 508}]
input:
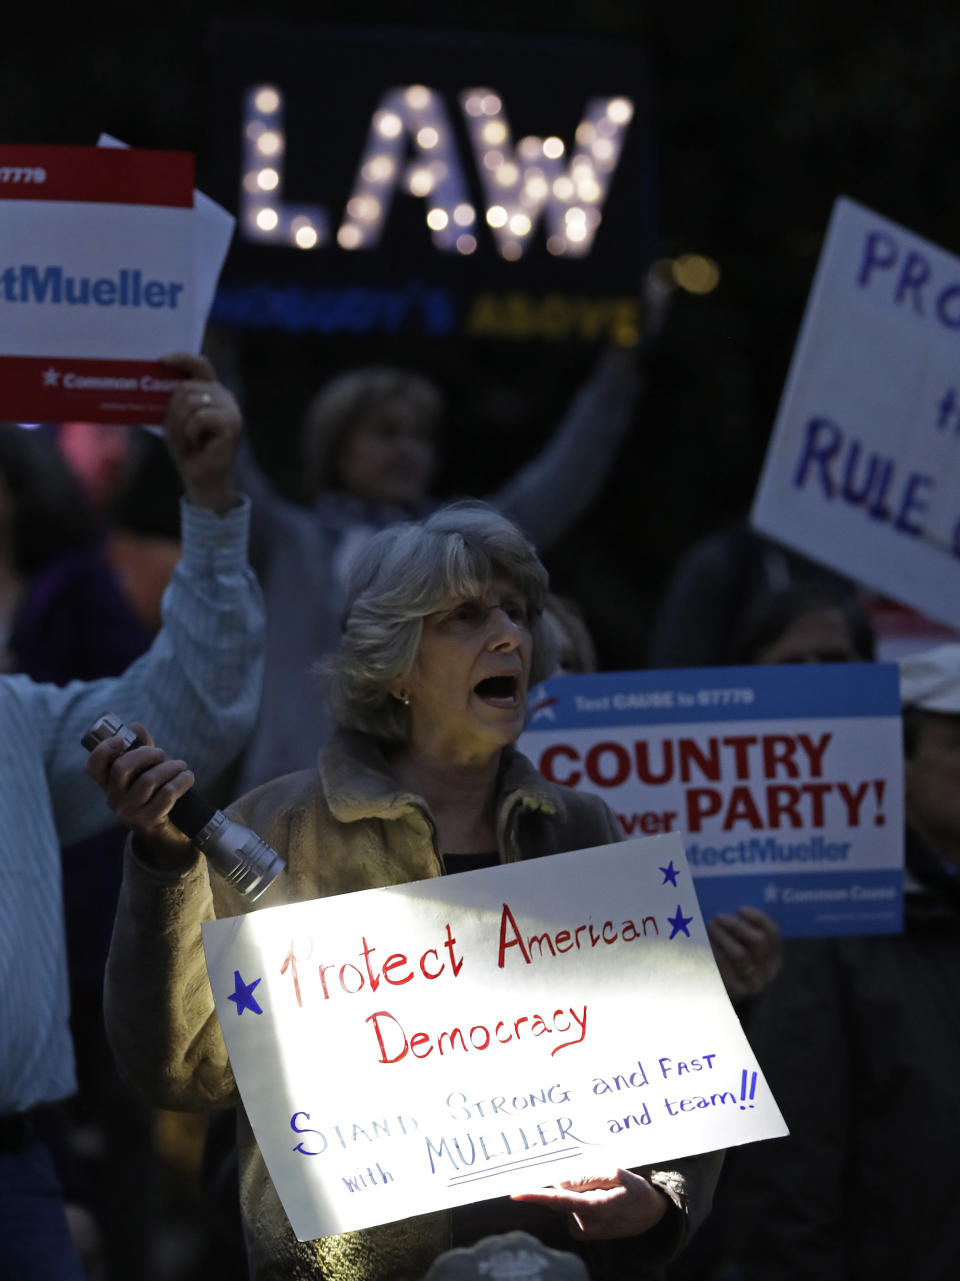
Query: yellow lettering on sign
[{"x": 554, "y": 317}]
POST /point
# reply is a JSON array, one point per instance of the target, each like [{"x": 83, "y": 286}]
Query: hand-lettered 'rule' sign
[
  {"x": 786, "y": 782},
  {"x": 863, "y": 468},
  {"x": 96, "y": 281},
  {"x": 422, "y": 1046}
]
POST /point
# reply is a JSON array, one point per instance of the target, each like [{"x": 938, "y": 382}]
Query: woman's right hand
[{"x": 142, "y": 785}]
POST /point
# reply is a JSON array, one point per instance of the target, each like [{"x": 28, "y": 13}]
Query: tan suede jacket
[{"x": 345, "y": 826}]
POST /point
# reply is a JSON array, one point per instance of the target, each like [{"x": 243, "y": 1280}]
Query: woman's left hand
[
  {"x": 748, "y": 950},
  {"x": 601, "y": 1209}
]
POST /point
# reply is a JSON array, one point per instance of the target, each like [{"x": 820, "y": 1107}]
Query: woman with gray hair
[
  {"x": 442, "y": 635},
  {"x": 371, "y": 447}
]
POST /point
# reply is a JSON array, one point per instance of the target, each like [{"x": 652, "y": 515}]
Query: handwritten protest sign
[
  {"x": 404, "y": 1049},
  {"x": 96, "y": 281},
  {"x": 863, "y": 468},
  {"x": 786, "y": 782}
]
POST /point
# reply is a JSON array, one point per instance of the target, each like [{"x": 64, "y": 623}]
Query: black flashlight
[{"x": 248, "y": 863}]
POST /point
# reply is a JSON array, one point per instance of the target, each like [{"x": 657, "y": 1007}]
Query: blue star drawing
[
  {"x": 242, "y": 993},
  {"x": 670, "y": 874},
  {"x": 679, "y": 922}
]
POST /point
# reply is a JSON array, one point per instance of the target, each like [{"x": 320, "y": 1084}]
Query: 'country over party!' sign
[
  {"x": 96, "y": 281},
  {"x": 405, "y": 1049},
  {"x": 785, "y": 782}
]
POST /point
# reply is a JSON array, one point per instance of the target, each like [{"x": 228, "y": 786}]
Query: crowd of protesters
[{"x": 859, "y": 1038}]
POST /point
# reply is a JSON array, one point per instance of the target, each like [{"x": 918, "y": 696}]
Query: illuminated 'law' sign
[{"x": 398, "y": 180}]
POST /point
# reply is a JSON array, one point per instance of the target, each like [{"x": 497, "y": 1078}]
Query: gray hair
[
  {"x": 403, "y": 574},
  {"x": 344, "y": 400}
]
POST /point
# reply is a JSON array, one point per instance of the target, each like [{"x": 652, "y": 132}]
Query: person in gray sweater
[{"x": 370, "y": 454}]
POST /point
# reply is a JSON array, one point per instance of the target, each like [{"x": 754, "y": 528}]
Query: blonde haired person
[{"x": 443, "y": 634}]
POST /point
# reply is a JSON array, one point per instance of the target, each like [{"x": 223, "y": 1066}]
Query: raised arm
[
  {"x": 553, "y": 490},
  {"x": 271, "y": 513},
  {"x": 158, "y": 1008},
  {"x": 199, "y": 683}
]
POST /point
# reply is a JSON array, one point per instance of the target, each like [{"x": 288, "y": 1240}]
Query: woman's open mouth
[{"x": 499, "y": 691}]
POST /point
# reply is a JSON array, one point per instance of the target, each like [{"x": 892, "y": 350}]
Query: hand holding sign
[
  {"x": 748, "y": 950},
  {"x": 604, "y": 1208},
  {"x": 202, "y": 428}
]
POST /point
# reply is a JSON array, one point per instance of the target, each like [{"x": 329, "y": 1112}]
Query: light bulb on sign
[
  {"x": 417, "y": 97},
  {"x": 269, "y": 143},
  {"x": 620, "y": 110},
  {"x": 421, "y": 182},
  {"x": 494, "y": 131},
  {"x": 266, "y": 100},
  {"x": 349, "y": 236},
  {"x": 389, "y": 124}
]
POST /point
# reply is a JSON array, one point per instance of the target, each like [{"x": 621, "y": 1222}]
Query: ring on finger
[{"x": 206, "y": 399}]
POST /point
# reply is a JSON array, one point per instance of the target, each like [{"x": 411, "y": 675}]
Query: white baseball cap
[{"x": 931, "y": 679}]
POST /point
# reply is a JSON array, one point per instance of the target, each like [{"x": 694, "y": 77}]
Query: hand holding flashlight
[{"x": 154, "y": 796}]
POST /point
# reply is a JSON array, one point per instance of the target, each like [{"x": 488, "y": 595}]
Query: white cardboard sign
[
  {"x": 863, "y": 468},
  {"x": 96, "y": 282},
  {"x": 422, "y": 1046}
]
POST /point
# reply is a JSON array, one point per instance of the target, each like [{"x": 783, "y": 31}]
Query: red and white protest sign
[
  {"x": 482, "y": 1034},
  {"x": 96, "y": 281}
]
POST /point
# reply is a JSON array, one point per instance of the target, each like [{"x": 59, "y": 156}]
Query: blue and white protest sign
[
  {"x": 421, "y": 1046},
  {"x": 863, "y": 468},
  {"x": 786, "y": 783},
  {"x": 96, "y": 282}
]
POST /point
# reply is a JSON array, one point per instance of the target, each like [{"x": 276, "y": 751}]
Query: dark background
[{"x": 762, "y": 114}]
